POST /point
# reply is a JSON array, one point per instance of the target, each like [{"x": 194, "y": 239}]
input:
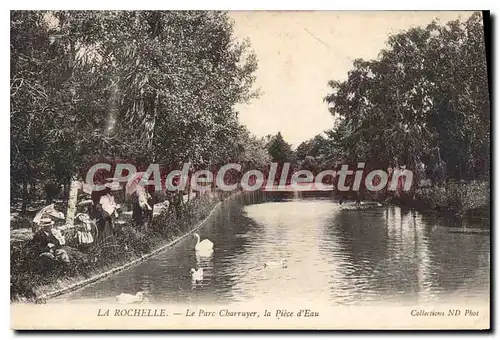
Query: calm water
[{"x": 338, "y": 255}]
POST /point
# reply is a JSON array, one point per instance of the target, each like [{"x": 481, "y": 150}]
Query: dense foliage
[
  {"x": 156, "y": 86},
  {"x": 139, "y": 86},
  {"x": 423, "y": 101},
  {"x": 423, "y": 104}
]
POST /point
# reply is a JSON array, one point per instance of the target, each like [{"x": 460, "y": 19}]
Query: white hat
[
  {"x": 45, "y": 222},
  {"x": 84, "y": 202},
  {"x": 57, "y": 214}
]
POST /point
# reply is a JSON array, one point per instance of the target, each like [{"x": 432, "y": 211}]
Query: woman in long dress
[
  {"x": 143, "y": 208},
  {"x": 104, "y": 211}
]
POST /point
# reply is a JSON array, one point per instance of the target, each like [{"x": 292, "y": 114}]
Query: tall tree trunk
[{"x": 72, "y": 200}]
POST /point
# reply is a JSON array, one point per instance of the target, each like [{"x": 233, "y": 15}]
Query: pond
[{"x": 334, "y": 253}]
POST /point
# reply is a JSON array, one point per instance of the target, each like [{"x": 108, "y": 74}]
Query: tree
[
  {"x": 279, "y": 150},
  {"x": 140, "y": 86},
  {"x": 424, "y": 99},
  {"x": 29, "y": 98},
  {"x": 317, "y": 153}
]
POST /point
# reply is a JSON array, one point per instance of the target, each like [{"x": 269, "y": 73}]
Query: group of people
[{"x": 94, "y": 224}]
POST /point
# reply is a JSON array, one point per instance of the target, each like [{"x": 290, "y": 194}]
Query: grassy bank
[
  {"x": 29, "y": 280},
  {"x": 457, "y": 198}
]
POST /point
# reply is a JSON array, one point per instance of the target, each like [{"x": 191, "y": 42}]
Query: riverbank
[
  {"x": 460, "y": 199},
  {"x": 29, "y": 283},
  {"x": 455, "y": 199}
]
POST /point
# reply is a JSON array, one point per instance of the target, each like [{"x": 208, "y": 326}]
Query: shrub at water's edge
[{"x": 460, "y": 198}]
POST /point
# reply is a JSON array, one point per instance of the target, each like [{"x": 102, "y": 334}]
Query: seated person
[
  {"x": 44, "y": 239},
  {"x": 48, "y": 245}
]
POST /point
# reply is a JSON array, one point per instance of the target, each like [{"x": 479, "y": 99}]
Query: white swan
[
  {"x": 282, "y": 264},
  {"x": 204, "y": 246},
  {"x": 197, "y": 275},
  {"x": 129, "y": 298}
]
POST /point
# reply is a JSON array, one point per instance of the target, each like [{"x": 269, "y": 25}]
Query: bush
[
  {"x": 457, "y": 197},
  {"x": 471, "y": 196},
  {"x": 431, "y": 197}
]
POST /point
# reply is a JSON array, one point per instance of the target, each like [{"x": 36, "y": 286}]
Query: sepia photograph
[{"x": 242, "y": 170}]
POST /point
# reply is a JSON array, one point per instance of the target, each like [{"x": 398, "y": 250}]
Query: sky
[{"x": 299, "y": 52}]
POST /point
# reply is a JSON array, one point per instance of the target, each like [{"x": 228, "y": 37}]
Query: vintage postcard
[{"x": 250, "y": 170}]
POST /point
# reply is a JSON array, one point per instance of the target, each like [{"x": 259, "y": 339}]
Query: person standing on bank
[
  {"x": 143, "y": 208},
  {"x": 106, "y": 213}
]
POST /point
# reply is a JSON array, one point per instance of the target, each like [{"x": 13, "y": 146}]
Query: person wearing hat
[
  {"x": 105, "y": 210},
  {"x": 48, "y": 246},
  {"x": 108, "y": 200},
  {"x": 44, "y": 240},
  {"x": 46, "y": 213},
  {"x": 143, "y": 207}
]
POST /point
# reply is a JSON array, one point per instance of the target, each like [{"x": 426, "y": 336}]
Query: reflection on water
[{"x": 333, "y": 255}]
